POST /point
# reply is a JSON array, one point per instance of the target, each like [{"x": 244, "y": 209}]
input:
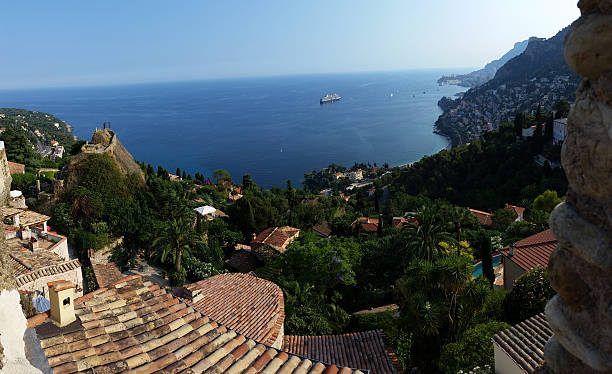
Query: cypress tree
[
  {"x": 484, "y": 247},
  {"x": 518, "y": 124},
  {"x": 548, "y": 130}
]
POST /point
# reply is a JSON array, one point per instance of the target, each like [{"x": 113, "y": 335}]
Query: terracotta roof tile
[
  {"x": 276, "y": 237},
  {"x": 106, "y": 274},
  {"x": 364, "y": 350},
  {"x": 252, "y": 306},
  {"x": 368, "y": 224},
  {"x": 16, "y": 168},
  {"x": 532, "y": 251},
  {"x": 524, "y": 343},
  {"x": 516, "y": 209}
]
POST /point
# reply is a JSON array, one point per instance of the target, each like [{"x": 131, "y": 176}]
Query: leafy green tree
[
  {"x": 474, "y": 348},
  {"x": 562, "y": 109},
  {"x": 221, "y": 175},
  {"x": 519, "y": 123},
  {"x": 176, "y": 237},
  {"x": 426, "y": 237},
  {"x": 547, "y": 201},
  {"x": 502, "y": 218},
  {"x": 529, "y": 295},
  {"x": 18, "y": 148},
  {"x": 438, "y": 300}
]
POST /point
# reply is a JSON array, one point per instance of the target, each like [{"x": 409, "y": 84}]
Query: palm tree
[
  {"x": 428, "y": 233},
  {"x": 176, "y": 238}
]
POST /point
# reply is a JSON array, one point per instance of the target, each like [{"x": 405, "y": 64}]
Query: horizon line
[{"x": 228, "y": 78}]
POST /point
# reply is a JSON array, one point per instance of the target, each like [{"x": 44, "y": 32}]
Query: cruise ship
[{"x": 329, "y": 98}]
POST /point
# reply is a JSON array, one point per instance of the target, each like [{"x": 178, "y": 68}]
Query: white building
[{"x": 559, "y": 130}]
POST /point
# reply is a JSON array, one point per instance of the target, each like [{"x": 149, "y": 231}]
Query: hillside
[
  {"x": 49, "y": 126},
  {"x": 539, "y": 75},
  {"x": 481, "y": 76}
]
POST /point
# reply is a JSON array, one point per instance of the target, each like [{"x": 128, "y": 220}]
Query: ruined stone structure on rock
[{"x": 580, "y": 269}]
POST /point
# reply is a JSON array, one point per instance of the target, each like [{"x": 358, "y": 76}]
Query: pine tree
[{"x": 538, "y": 116}]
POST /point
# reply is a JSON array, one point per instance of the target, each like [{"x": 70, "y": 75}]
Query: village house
[
  {"x": 356, "y": 175},
  {"x": 368, "y": 224},
  {"x": 209, "y": 213},
  {"x": 401, "y": 222},
  {"x": 516, "y": 210},
  {"x": 483, "y": 217},
  {"x": 273, "y": 239},
  {"x": 559, "y": 130},
  {"x": 54, "y": 143},
  {"x": 524, "y": 255}
]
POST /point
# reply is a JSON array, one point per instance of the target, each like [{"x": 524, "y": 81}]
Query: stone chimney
[
  {"x": 512, "y": 249},
  {"x": 61, "y": 297},
  {"x": 193, "y": 292},
  {"x": 34, "y": 245}
]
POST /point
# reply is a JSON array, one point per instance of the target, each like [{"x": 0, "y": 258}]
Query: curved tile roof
[
  {"x": 135, "y": 326},
  {"x": 365, "y": 350},
  {"x": 35, "y": 274},
  {"x": 250, "y": 305},
  {"x": 533, "y": 251},
  {"x": 524, "y": 343}
]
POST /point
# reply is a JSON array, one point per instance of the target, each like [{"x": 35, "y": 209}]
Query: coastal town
[{"x": 489, "y": 256}]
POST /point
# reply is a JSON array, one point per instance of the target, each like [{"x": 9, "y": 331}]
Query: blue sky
[{"x": 78, "y": 43}]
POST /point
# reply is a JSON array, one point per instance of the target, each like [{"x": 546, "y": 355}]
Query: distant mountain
[
  {"x": 538, "y": 76},
  {"x": 478, "y": 77}
]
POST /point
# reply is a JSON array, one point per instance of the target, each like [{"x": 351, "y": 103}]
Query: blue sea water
[{"x": 272, "y": 128}]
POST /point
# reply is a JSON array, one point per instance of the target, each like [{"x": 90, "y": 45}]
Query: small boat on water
[{"x": 329, "y": 98}]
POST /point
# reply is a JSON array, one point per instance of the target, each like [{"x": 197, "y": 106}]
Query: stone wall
[
  {"x": 5, "y": 176},
  {"x": 580, "y": 269}
]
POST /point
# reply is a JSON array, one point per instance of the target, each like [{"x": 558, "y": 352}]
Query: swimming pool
[{"x": 478, "y": 266}]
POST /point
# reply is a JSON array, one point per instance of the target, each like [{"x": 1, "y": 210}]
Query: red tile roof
[
  {"x": 16, "y": 168},
  {"x": 368, "y": 224},
  {"x": 363, "y": 350},
  {"x": 136, "y": 326},
  {"x": 252, "y": 306},
  {"x": 516, "y": 209},
  {"x": 483, "y": 217},
  {"x": 532, "y": 251},
  {"x": 276, "y": 237}
]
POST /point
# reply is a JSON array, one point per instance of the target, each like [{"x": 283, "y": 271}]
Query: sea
[{"x": 272, "y": 128}]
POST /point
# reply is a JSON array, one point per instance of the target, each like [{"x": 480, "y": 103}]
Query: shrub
[
  {"x": 529, "y": 295},
  {"x": 82, "y": 240},
  {"x": 475, "y": 349},
  {"x": 177, "y": 278},
  {"x": 197, "y": 270}
]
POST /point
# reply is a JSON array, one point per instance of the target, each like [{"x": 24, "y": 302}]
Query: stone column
[{"x": 580, "y": 269}]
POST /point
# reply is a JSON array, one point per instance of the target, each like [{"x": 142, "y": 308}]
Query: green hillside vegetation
[
  {"x": 43, "y": 122},
  {"x": 425, "y": 269}
]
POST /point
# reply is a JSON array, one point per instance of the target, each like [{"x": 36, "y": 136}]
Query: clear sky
[{"x": 74, "y": 43}]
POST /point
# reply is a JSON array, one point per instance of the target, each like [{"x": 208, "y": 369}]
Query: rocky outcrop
[
  {"x": 102, "y": 142},
  {"x": 105, "y": 141},
  {"x": 580, "y": 269}
]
